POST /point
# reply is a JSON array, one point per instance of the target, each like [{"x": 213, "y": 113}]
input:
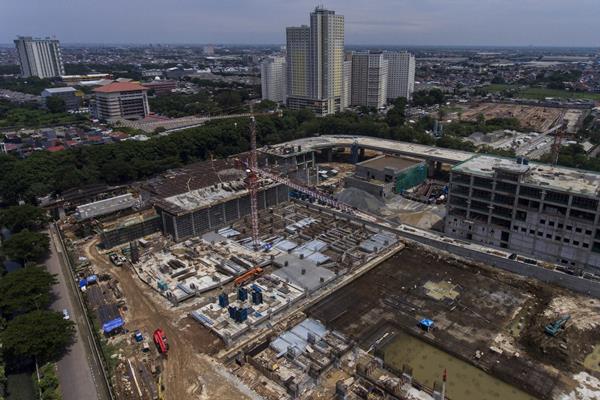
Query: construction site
[
  {"x": 261, "y": 276},
  {"x": 537, "y": 118}
]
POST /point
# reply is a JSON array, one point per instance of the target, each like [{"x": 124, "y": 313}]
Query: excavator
[{"x": 554, "y": 328}]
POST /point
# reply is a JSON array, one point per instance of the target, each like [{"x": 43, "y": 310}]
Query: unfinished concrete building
[
  {"x": 551, "y": 213},
  {"x": 383, "y": 175}
]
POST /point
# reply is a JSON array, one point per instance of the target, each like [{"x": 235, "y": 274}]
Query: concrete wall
[
  {"x": 131, "y": 232},
  {"x": 571, "y": 282},
  {"x": 195, "y": 223}
]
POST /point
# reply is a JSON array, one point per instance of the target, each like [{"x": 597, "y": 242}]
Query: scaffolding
[{"x": 411, "y": 178}]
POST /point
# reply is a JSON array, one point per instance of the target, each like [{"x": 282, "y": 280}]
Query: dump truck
[{"x": 160, "y": 340}]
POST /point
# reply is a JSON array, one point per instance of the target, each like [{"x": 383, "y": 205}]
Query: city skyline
[{"x": 426, "y": 23}]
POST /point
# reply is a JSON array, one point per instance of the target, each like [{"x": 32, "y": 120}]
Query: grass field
[{"x": 542, "y": 93}]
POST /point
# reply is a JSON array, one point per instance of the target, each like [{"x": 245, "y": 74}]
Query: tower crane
[
  {"x": 254, "y": 173},
  {"x": 560, "y": 130}
]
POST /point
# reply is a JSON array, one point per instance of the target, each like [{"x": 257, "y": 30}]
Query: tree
[
  {"x": 48, "y": 384},
  {"x": 266, "y": 105},
  {"x": 56, "y": 104},
  {"x": 26, "y": 216},
  {"x": 25, "y": 290},
  {"x": 41, "y": 334},
  {"x": 395, "y": 116},
  {"x": 480, "y": 119},
  {"x": 27, "y": 246},
  {"x": 229, "y": 100}
]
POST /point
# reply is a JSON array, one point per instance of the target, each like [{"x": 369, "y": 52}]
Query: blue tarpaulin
[
  {"x": 112, "y": 325},
  {"x": 82, "y": 282},
  {"x": 426, "y": 323}
]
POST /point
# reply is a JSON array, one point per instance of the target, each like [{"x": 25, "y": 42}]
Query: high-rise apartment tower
[
  {"x": 315, "y": 63},
  {"x": 369, "y": 80},
  {"x": 272, "y": 79},
  {"x": 39, "y": 57},
  {"x": 401, "y": 75}
]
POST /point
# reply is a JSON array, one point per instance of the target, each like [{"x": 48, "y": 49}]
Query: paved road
[{"x": 76, "y": 373}]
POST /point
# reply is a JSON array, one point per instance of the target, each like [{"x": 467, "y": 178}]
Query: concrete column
[{"x": 430, "y": 168}]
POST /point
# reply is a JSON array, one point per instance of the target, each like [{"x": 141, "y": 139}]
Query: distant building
[
  {"x": 272, "y": 79},
  {"x": 381, "y": 176},
  {"x": 68, "y": 94},
  {"x": 369, "y": 80},
  {"x": 39, "y": 57},
  {"x": 208, "y": 50},
  {"x": 161, "y": 86},
  {"x": 315, "y": 63},
  {"x": 347, "y": 84},
  {"x": 180, "y": 72},
  {"x": 78, "y": 79},
  {"x": 401, "y": 75},
  {"x": 121, "y": 100}
]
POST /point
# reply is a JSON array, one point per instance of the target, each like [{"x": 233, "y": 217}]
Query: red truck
[{"x": 160, "y": 339}]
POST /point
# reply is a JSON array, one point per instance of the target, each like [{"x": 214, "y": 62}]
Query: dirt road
[{"x": 188, "y": 371}]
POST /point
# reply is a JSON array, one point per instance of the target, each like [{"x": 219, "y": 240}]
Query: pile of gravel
[{"x": 360, "y": 199}]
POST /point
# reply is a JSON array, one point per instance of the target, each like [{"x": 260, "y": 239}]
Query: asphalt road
[{"x": 78, "y": 373}]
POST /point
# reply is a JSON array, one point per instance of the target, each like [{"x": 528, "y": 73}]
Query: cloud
[{"x": 407, "y": 22}]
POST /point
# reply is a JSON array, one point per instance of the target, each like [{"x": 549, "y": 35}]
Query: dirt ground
[
  {"x": 539, "y": 119},
  {"x": 498, "y": 314},
  {"x": 188, "y": 371}
]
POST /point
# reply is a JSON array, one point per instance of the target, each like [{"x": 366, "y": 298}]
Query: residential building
[
  {"x": 315, "y": 63},
  {"x": 70, "y": 95},
  {"x": 161, "y": 86},
  {"x": 121, "y": 100},
  {"x": 347, "y": 83},
  {"x": 208, "y": 50},
  {"x": 272, "y": 79},
  {"x": 39, "y": 57},
  {"x": 401, "y": 74},
  {"x": 79, "y": 79},
  {"x": 551, "y": 213},
  {"x": 369, "y": 80}
]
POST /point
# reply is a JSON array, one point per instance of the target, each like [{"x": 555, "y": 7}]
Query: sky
[{"x": 368, "y": 22}]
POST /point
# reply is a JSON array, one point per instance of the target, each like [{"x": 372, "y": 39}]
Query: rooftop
[
  {"x": 535, "y": 174},
  {"x": 288, "y": 149},
  {"x": 116, "y": 87},
  {"x": 382, "y": 162},
  {"x": 60, "y": 90}
]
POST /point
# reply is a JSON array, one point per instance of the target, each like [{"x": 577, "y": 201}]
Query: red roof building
[{"x": 121, "y": 100}]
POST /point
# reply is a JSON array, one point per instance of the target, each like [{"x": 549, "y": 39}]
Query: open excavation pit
[
  {"x": 232, "y": 289},
  {"x": 487, "y": 318}
]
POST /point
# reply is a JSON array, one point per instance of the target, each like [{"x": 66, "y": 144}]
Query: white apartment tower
[
  {"x": 401, "y": 75},
  {"x": 272, "y": 79},
  {"x": 347, "y": 84},
  {"x": 369, "y": 80},
  {"x": 39, "y": 57},
  {"x": 315, "y": 63}
]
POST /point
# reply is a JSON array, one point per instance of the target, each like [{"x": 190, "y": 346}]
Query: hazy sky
[{"x": 390, "y": 22}]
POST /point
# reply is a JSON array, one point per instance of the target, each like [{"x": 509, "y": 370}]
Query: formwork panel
[
  {"x": 231, "y": 210},
  {"x": 217, "y": 218},
  {"x": 244, "y": 206},
  {"x": 271, "y": 197},
  {"x": 283, "y": 193},
  {"x": 201, "y": 222},
  {"x": 185, "y": 227},
  {"x": 260, "y": 196}
]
